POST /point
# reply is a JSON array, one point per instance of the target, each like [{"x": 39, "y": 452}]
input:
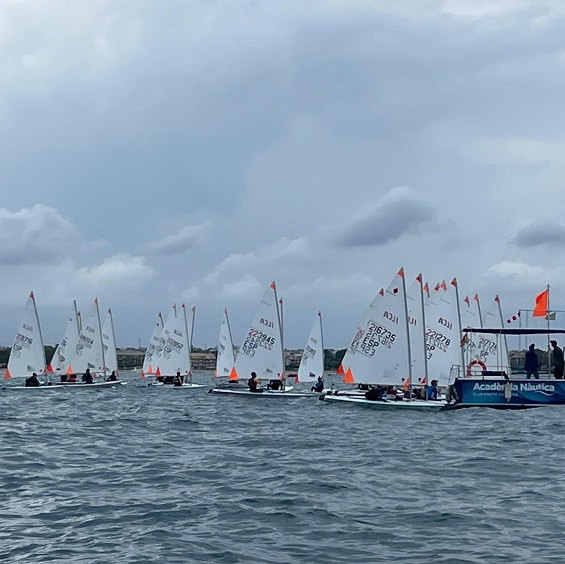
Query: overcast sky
[{"x": 194, "y": 151}]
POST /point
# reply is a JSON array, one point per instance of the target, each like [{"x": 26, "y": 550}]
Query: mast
[
  {"x": 322, "y": 350},
  {"x": 101, "y": 338},
  {"x": 507, "y": 360},
  {"x": 426, "y": 375},
  {"x": 548, "y": 336},
  {"x": 113, "y": 338},
  {"x": 407, "y": 326},
  {"x": 281, "y": 329},
  {"x": 454, "y": 282},
  {"x": 280, "y": 311},
  {"x": 32, "y": 297}
]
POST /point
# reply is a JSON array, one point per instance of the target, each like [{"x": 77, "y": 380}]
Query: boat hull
[
  {"x": 82, "y": 385},
  {"x": 266, "y": 394},
  {"x": 183, "y": 386},
  {"x": 507, "y": 394},
  {"x": 422, "y": 405}
]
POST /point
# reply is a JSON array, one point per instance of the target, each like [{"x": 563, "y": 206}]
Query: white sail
[
  {"x": 225, "y": 360},
  {"x": 417, "y": 324},
  {"x": 149, "y": 365},
  {"x": 88, "y": 352},
  {"x": 312, "y": 362},
  {"x": 382, "y": 356},
  {"x": 69, "y": 341},
  {"x": 492, "y": 350},
  {"x": 358, "y": 336},
  {"x": 174, "y": 356},
  {"x": 443, "y": 334},
  {"x": 261, "y": 351},
  {"x": 109, "y": 343},
  {"x": 28, "y": 353}
]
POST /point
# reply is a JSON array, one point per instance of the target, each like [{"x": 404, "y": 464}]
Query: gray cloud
[
  {"x": 400, "y": 212},
  {"x": 541, "y": 232},
  {"x": 180, "y": 242},
  {"x": 36, "y": 235}
]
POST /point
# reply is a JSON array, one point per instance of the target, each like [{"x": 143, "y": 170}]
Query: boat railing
[{"x": 495, "y": 373}]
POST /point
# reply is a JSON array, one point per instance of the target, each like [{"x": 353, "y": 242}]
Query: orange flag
[{"x": 540, "y": 307}]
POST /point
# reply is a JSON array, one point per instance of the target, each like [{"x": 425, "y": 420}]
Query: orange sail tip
[
  {"x": 454, "y": 282},
  {"x": 233, "y": 375},
  {"x": 401, "y": 272},
  {"x": 7, "y": 374},
  {"x": 31, "y": 295},
  {"x": 348, "y": 378},
  {"x": 157, "y": 372},
  {"x": 273, "y": 285},
  {"x": 405, "y": 383},
  {"x": 69, "y": 369},
  {"x": 340, "y": 369},
  {"x": 142, "y": 374},
  {"x": 540, "y": 306},
  {"x": 419, "y": 278},
  {"x": 49, "y": 368}
]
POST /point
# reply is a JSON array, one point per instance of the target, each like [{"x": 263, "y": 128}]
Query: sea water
[{"x": 141, "y": 475}]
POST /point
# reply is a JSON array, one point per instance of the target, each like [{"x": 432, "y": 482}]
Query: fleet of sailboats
[{"x": 408, "y": 340}]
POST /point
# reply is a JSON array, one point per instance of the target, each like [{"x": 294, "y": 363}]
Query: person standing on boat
[
  {"x": 531, "y": 363},
  {"x": 558, "y": 362},
  {"x": 32, "y": 381},
  {"x": 87, "y": 377}
]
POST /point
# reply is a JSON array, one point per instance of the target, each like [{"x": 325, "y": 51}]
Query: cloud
[
  {"x": 36, "y": 235},
  {"x": 541, "y": 232},
  {"x": 400, "y": 212},
  {"x": 518, "y": 269},
  {"x": 180, "y": 242}
]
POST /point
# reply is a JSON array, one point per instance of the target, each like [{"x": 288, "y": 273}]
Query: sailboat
[
  {"x": 380, "y": 353},
  {"x": 154, "y": 348},
  {"x": 262, "y": 351},
  {"x": 173, "y": 350},
  {"x": 89, "y": 352},
  {"x": 312, "y": 362},
  {"x": 225, "y": 374},
  {"x": 58, "y": 364},
  {"x": 27, "y": 355},
  {"x": 109, "y": 344}
]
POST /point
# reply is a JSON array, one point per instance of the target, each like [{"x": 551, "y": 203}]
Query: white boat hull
[
  {"x": 424, "y": 405},
  {"x": 286, "y": 394},
  {"x": 74, "y": 385},
  {"x": 42, "y": 388},
  {"x": 161, "y": 385}
]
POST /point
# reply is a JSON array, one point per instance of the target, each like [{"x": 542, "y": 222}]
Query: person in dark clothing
[
  {"x": 178, "y": 379},
  {"x": 274, "y": 385},
  {"x": 87, "y": 377},
  {"x": 252, "y": 383},
  {"x": 318, "y": 386},
  {"x": 531, "y": 363},
  {"x": 558, "y": 362},
  {"x": 112, "y": 377},
  {"x": 374, "y": 394},
  {"x": 32, "y": 381}
]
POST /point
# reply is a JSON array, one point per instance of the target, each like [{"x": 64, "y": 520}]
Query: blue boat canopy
[{"x": 520, "y": 331}]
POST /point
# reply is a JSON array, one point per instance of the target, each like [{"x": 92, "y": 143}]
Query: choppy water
[{"x": 146, "y": 475}]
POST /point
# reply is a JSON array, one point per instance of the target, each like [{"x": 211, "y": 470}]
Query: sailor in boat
[
  {"x": 178, "y": 379},
  {"x": 112, "y": 377},
  {"x": 318, "y": 386},
  {"x": 87, "y": 377},
  {"x": 274, "y": 385},
  {"x": 432, "y": 390},
  {"x": 253, "y": 382},
  {"x": 375, "y": 393},
  {"x": 32, "y": 381}
]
